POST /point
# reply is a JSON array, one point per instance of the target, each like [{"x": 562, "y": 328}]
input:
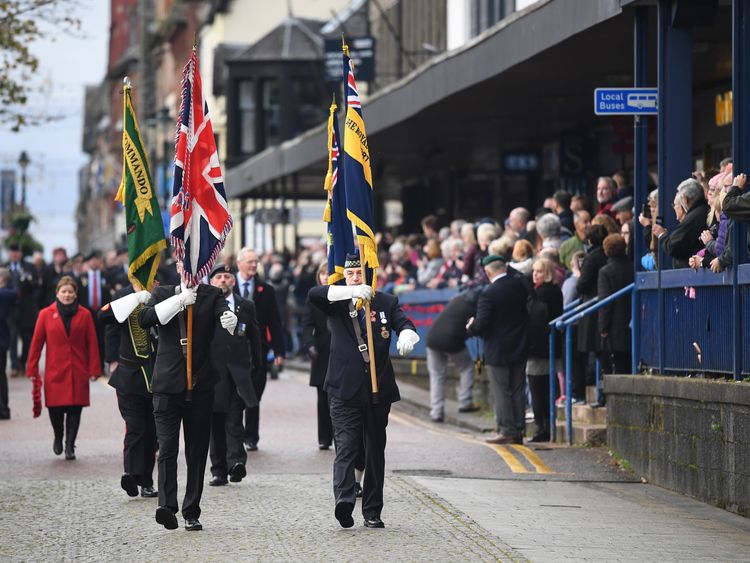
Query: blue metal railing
[{"x": 566, "y": 321}]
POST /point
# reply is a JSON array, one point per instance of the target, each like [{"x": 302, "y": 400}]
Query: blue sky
[{"x": 66, "y": 66}]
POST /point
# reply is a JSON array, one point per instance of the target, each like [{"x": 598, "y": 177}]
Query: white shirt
[{"x": 230, "y": 301}]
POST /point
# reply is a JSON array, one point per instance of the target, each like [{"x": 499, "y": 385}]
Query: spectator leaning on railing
[
  {"x": 736, "y": 203},
  {"x": 691, "y": 209}
]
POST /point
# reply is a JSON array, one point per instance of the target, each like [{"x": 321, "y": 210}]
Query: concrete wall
[{"x": 687, "y": 435}]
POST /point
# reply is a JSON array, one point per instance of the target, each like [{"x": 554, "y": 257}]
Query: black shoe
[
  {"x": 251, "y": 446},
  {"x": 149, "y": 492},
  {"x": 57, "y": 446},
  {"x": 70, "y": 452},
  {"x": 343, "y": 514},
  {"x": 237, "y": 473},
  {"x": 357, "y": 490},
  {"x": 128, "y": 484},
  {"x": 193, "y": 525},
  {"x": 469, "y": 408},
  {"x": 217, "y": 481},
  {"x": 166, "y": 518},
  {"x": 540, "y": 437},
  {"x": 598, "y": 404},
  {"x": 5, "y": 414},
  {"x": 324, "y": 446},
  {"x": 437, "y": 418},
  {"x": 375, "y": 522}
]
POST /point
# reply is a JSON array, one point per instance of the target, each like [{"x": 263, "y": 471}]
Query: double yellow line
[{"x": 505, "y": 452}]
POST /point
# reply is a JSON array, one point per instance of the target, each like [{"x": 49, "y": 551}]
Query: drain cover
[{"x": 424, "y": 472}]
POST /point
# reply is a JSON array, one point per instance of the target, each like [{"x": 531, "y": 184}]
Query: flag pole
[{"x": 368, "y": 325}]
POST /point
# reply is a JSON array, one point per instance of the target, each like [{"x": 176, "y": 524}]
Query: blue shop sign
[{"x": 626, "y": 101}]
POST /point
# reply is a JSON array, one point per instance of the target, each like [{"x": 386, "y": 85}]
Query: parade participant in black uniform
[
  {"x": 349, "y": 387},
  {"x": 172, "y": 404},
  {"x": 250, "y": 286},
  {"x": 235, "y": 357},
  {"x": 24, "y": 313},
  {"x": 130, "y": 350}
]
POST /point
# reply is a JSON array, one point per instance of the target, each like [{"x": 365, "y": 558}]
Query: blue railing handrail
[
  {"x": 596, "y": 306},
  {"x": 571, "y": 305},
  {"x": 566, "y": 321},
  {"x": 572, "y": 311}
]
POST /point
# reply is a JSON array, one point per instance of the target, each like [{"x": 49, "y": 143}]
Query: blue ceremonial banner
[
  {"x": 358, "y": 175},
  {"x": 340, "y": 235}
]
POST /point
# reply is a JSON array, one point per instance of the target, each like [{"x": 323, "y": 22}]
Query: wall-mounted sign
[
  {"x": 362, "y": 53},
  {"x": 521, "y": 162},
  {"x": 626, "y": 101}
]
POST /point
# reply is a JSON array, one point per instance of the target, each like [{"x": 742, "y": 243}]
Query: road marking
[
  {"x": 508, "y": 457},
  {"x": 513, "y": 463},
  {"x": 533, "y": 458}
]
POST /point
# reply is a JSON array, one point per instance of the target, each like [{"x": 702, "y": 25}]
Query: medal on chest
[{"x": 384, "y": 332}]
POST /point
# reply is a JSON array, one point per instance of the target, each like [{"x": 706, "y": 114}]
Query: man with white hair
[
  {"x": 606, "y": 190},
  {"x": 691, "y": 209}
]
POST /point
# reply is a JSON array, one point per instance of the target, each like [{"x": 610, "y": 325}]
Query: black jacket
[
  {"x": 614, "y": 319},
  {"x": 502, "y": 321},
  {"x": 235, "y": 356},
  {"x": 684, "y": 241},
  {"x": 315, "y": 333},
  {"x": 347, "y": 371},
  {"x": 170, "y": 375},
  {"x": 588, "y": 333},
  {"x": 269, "y": 318},
  {"x": 133, "y": 347},
  {"x": 24, "y": 312},
  {"x": 737, "y": 204},
  {"x": 83, "y": 292},
  {"x": 448, "y": 331},
  {"x": 547, "y": 306}
]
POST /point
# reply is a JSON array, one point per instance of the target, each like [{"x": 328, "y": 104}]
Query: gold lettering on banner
[
  {"x": 138, "y": 173},
  {"x": 356, "y": 145}
]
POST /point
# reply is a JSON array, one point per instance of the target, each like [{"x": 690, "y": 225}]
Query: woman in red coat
[{"x": 72, "y": 358}]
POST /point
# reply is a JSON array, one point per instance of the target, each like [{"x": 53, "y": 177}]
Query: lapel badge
[{"x": 385, "y": 334}]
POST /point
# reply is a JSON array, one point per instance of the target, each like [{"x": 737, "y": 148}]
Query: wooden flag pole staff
[{"x": 368, "y": 325}]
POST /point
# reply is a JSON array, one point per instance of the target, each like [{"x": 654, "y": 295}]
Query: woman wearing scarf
[{"x": 72, "y": 358}]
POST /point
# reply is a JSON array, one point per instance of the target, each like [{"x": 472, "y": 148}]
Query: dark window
[
  {"x": 308, "y": 111},
  {"x": 247, "y": 116},
  {"x": 271, "y": 112}
]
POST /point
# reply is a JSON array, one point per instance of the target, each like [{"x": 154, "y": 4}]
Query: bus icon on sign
[{"x": 642, "y": 101}]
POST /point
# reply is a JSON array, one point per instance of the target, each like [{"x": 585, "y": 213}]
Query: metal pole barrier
[
  {"x": 569, "y": 382},
  {"x": 598, "y": 372},
  {"x": 552, "y": 379}
]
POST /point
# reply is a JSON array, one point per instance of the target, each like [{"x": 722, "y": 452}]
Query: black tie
[{"x": 245, "y": 292}]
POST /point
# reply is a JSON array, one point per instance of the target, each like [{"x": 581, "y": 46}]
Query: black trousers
[
  {"x": 139, "y": 447},
  {"x": 227, "y": 435},
  {"x": 171, "y": 411},
  {"x": 325, "y": 426},
  {"x": 67, "y": 419},
  {"x": 539, "y": 387},
  {"x": 252, "y": 416},
  {"x": 3, "y": 382},
  {"x": 351, "y": 419},
  {"x": 25, "y": 334}
]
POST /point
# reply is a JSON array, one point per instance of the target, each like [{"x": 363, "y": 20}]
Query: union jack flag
[{"x": 200, "y": 220}]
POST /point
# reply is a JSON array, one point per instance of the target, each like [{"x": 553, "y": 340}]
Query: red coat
[{"x": 70, "y": 360}]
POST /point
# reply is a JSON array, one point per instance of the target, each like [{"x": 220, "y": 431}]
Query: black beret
[
  {"x": 353, "y": 261},
  {"x": 494, "y": 258},
  {"x": 219, "y": 269}
]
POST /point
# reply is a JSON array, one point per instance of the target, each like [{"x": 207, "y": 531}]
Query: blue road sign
[{"x": 626, "y": 101}]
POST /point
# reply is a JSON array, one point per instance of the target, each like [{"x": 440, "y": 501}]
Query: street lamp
[{"x": 23, "y": 162}]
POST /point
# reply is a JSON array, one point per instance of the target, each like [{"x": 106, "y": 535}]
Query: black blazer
[
  {"x": 269, "y": 318},
  {"x": 684, "y": 241},
  {"x": 614, "y": 319},
  {"x": 83, "y": 291},
  {"x": 235, "y": 356},
  {"x": 170, "y": 375},
  {"x": 315, "y": 333},
  {"x": 24, "y": 312},
  {"x": 448, "y": 332},
  {"x": 134, "y": 366},
  {"x": 502, "y": 321},
  {"x": 347, "y": 371}
]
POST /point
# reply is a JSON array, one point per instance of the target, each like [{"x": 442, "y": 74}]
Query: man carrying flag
[
  {"x": 130, "y": 349},
  {"x": 184, "y": 376},
  {"x": 359, "y": 369}
]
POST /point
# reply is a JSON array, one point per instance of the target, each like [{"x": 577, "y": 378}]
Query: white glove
[
  {"x": 122, "y": 307},
  {"x": 143, "y": 296},
  {"x": 407, "y": 339},
  {"x": 188, "y": 296},
  {"x": 228, "y": 321},
  {"x": 345, "y": 292}
]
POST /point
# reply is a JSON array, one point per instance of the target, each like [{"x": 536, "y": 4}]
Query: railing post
[
  {"x": 552, "y": 378},
  {"x": 569, "y": 382},
  {"x": 640, "y": 178},
  {"x": 740, "y": 123},
  {"x": 598, "y": 373}
]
